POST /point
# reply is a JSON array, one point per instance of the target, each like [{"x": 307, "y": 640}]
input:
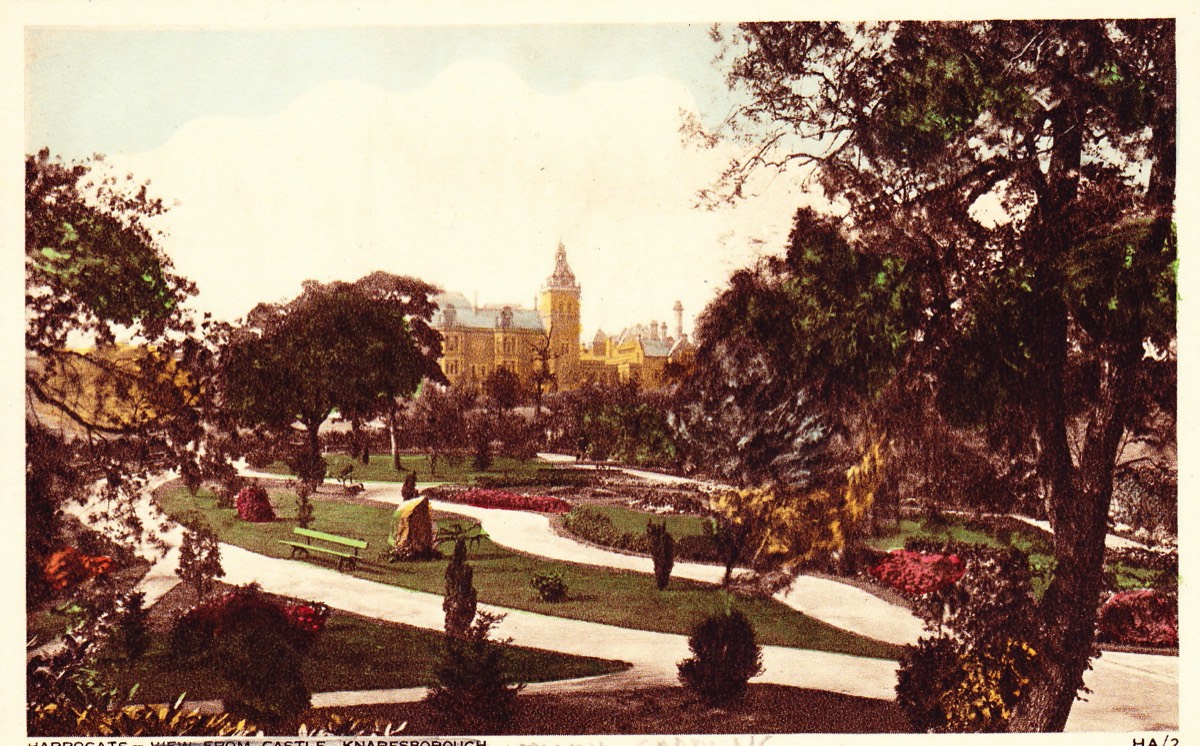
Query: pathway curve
[{"x": 1130, "y": 692}]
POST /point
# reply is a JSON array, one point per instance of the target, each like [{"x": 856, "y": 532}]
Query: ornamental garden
[{"x": 918, "y": 472}]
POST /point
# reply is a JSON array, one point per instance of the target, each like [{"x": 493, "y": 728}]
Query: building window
[{"x": 451, "y": 343}]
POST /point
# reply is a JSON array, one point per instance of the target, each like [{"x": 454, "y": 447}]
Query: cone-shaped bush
[
  {"x": 724, "y": 657},
  {"x": 460, "y": 600},
  {"x": 662, "y": 551}
]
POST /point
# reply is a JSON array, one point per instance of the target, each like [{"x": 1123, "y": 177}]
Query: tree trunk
[
  {"x": 1080, "y": 520},
  {"x": 393, "y": 436}
]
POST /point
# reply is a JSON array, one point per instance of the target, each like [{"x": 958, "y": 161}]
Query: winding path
[{"x": 1130, "y": 692}]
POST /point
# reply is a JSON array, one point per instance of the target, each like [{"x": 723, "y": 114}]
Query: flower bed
[
  {"x": 1141, "y": 617},
  {"x": 198, "y": 628},
  {"x": 918, "y": 573},
  {"x": 505, "y": 500},
  {"x": 253, "y": 505}
]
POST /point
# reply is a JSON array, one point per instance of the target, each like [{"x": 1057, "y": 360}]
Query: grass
[
  {"x": 633, "y": 521},
  {"x": 352, "y": 654},
  {"x": 503, "y": 577},
  {"x": 456, "y": 469}
]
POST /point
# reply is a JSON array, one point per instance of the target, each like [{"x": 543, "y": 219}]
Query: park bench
[{"x": 345, "y": 558}]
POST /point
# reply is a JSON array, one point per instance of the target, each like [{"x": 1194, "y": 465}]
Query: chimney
[
  {"x": 678, "y": 309},
  {"x": 654, "y": 330}
]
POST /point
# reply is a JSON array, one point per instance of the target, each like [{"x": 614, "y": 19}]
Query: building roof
[{"x": 467, "y": 316}]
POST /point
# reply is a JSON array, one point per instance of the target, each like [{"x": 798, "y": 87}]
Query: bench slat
[{"x": 333, "y": 538}]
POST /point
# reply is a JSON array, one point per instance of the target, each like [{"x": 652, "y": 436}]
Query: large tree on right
[{"x": 1019, "y": 178}]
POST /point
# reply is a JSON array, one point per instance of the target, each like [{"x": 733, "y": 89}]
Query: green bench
[{"x": 345, "y": 558}]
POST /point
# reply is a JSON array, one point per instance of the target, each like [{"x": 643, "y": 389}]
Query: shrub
[
  {"x": 970, "y": 674},
  {"x": 254, "y": 505},
  {"x": 131, "y": 634},
  {"x": 473, "y": 689},
  {"x": 485, "y": 498},
  {"x": 550, "y": 586},
  {"x": 409, "y": 489},
  {"x": 1140, "y": 617},
  {"x": 69, "y": 567},
  {"x": 197, "y": 630},
  {"x": 947, "y": 685},
  {"x": 724, "y": 658},
  {"x": 257, "y": 644},
  {"x": 918, "y": 573},
  {"x": 662, "y": 551},
  {"x": 258, "y": 656},
  {"x": 200, "y": 559},
  {"x": 460, "y": 600},
  {"x": 304, "y": 506}
]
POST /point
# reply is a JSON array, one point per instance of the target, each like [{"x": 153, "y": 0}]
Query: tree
[
  {"x": 1013, "y": 186},
  {"x": 114, "y": 378},
  {"x": 501, "y": 391},
  {"x": 351, "y": 347},
  {"x": 543, "y": 376},
  {"x": 440, "y": 418},
  {"x": 412, "y": 299}
]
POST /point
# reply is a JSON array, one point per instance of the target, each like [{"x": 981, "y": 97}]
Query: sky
[{"x": 458, "y": 154}]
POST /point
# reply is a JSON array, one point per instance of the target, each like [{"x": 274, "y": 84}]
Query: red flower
[
  {"x": 918, "y": 573},
  {"x": 505, "y": 500},
  {"x": 1141, "y": 617}
]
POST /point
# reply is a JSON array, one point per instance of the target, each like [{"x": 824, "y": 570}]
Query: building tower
[
  {"x": 678, "y": 309},
  {"x": 558, "y": 305}
]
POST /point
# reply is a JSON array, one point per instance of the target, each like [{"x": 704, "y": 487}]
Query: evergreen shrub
[
  {"x": 662, "y": 551},
  {"x": 725, "y": 656},
  {"x": 551, "y": 586}
]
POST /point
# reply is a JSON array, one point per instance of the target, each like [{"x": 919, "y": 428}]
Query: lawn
[
  {"x": 352, "y": 653},
  {"x": 503, "y": 577},
  {"x": 455, "y": 469},
  {"x": 633, "y": 521}
]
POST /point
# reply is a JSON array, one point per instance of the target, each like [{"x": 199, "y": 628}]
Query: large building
[{"x": 479, "y": 339}]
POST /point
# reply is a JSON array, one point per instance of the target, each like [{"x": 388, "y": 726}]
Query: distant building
[{"x": 479, "y": 339}]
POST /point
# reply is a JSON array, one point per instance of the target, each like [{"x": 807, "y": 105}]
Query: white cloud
[{"x": 469, "y": 183}]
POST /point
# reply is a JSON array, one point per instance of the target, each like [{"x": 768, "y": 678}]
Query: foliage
[
  {"x": 198, "y": 629},
  {"x": 460, "y": 598},
  {"x": 918, "y": 573},
  {"x": 946, "y": 685},
  {"x": 971, "y": 673},
  {"x": 592, "y": 525},
  {"x": 252, "y": 504},
  {"x": 295, "y": 363},
  {"x": 1011, "y": 184},
  {"x": 257, "y": 644},
  {"x": 505, "y": 500},
  {"x": 259, "y": 658},
  {"x": 409, "y": 489},
  {"x": 543, "y": 479},
  {"x": 1140, "y": 617},
  {"x": 200, "y": 558},
  {"x": 68, "y": 567},
  {"x": 614, "y": 422},
  {"x": 724, "y": 658},
  {"x": 662, "y": 551},
  {"x": 550, "y": 586},
  {"x": 304, "y": 505},
  {"x": 101, "y": 415},
  {"x": 502, "y": 390},
  {"x": 472, "y": 687},
  {"x": 130, "y": 631}
]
